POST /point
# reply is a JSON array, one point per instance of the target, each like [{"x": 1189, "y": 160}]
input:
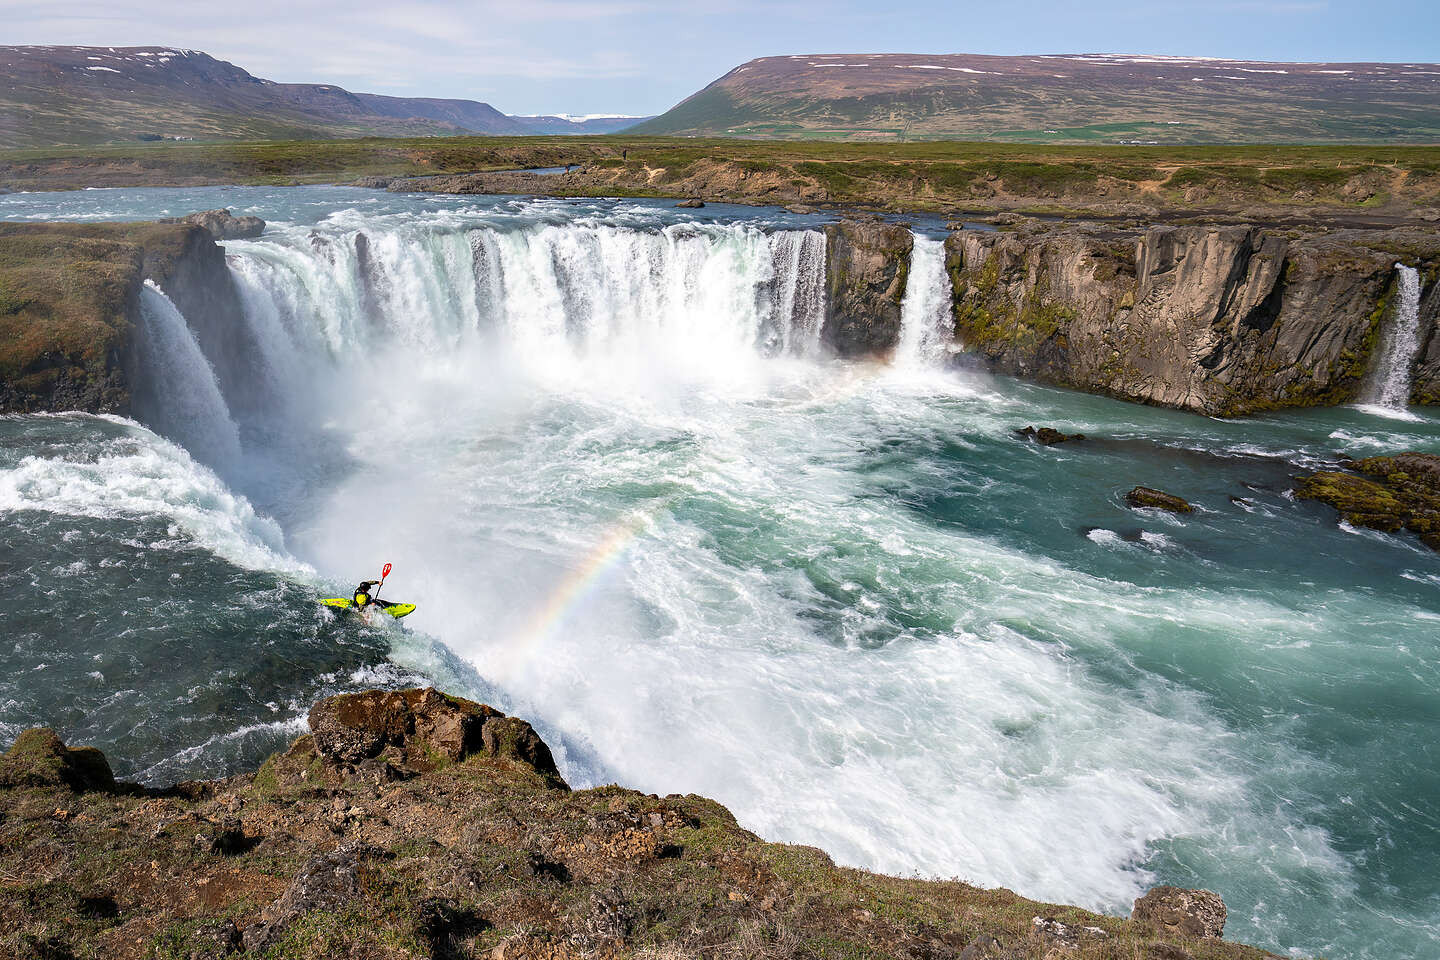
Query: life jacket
[{"x": 363, "y": 598}]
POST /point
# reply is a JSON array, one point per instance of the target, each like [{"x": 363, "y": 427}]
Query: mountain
[
  {"x": 85, "y": 95},
  {"x": 1070, "y": 98},
  {"x": 565, "y": 124}
]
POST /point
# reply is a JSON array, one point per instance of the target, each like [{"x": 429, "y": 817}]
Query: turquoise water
[{"x": 844, "y": 599}]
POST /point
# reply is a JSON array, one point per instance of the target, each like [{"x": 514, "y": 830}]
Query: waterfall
[
  {"x": 178, "y": 396},
  {"x": 539, "y": 290},
  {"x": 1389, "y": 384},
  {"x": 926, "y": 327}
]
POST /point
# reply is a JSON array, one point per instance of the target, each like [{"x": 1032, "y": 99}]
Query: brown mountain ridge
[{"x": 1072, "y": 98}]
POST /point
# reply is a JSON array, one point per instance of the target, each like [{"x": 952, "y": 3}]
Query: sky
[{"x": 640, "y": 57}]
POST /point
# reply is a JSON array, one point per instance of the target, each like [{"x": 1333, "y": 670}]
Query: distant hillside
[
  {"x": 1063, "y": 99},
  {"x": 88, "y": 95},
  {"x": 564, "y": 124}
]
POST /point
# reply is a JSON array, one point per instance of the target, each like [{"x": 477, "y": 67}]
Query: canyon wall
[{"x": 1216, "y": 320}]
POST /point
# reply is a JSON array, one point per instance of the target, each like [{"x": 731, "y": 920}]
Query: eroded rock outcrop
[
  {"x": 420, "y": 729},
  {"x": 362, "y": 840},
  {"x": 223, "y": 225},
  {"x": 1383, "y": 493},
  {"x": 1194, "y": 914},
  {"x": 866, "y": 265},
  {"x": 1218, "y": 320}
]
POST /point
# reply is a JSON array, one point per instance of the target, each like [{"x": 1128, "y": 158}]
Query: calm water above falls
[{"x": 843, "y": 599}]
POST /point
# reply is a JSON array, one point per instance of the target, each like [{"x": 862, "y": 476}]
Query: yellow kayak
[{"x": 396, "y": 610}]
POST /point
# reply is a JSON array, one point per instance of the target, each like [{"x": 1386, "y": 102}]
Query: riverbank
[
  {"x": 1385, "y": 186},
  {"x": 413, "y": 824}
]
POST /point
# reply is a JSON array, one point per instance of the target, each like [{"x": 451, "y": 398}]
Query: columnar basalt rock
[
  {"x": 866, "y": 265},
  {"x": 1218, "y": 320}
]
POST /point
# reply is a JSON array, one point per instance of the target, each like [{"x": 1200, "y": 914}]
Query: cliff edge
[{"x": 415, "y": 824}]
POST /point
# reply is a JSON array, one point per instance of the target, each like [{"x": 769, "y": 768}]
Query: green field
[{"x": 919, "y": 175}]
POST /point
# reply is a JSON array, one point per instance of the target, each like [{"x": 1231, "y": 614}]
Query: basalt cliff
[
  {"x": 1216, "y": 320},
  {"x": 1219, "y": 320},
  {"x": 411, "y": 824}
]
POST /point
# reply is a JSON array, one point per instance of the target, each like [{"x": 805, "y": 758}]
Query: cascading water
[
  {"x": 178, "y": 394},
  {"x": 926, "y": 326},
  {"x": 1390, "y": 377},
  {"x": 848, "y": 604},
  {"x": 690, "y": 293}
]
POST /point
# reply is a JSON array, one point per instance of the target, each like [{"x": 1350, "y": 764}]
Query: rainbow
[{"x": 577, "y": 584}]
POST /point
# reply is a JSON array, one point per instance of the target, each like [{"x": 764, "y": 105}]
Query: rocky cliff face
[
  {"x": 865, "y": 269},
  {"x": 1427, "y": 366},
  {"x": 412, "y": 824},
  {"x": 70, "y": 308},
  {"x": 1217, "y": 320}
]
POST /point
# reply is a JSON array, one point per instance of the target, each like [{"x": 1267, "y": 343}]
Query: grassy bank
[{"x": 933, "y": 175}]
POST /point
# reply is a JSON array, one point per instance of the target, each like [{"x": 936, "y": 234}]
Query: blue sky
[{"x": 642, "y": 56}]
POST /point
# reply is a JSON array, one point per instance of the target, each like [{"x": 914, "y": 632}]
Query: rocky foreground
[{"x": 415, "y": 824}]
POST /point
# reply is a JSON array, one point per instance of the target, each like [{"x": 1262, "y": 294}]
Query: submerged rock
[
  {"x": 1404, "y": 494},
  {"x": 1158, "y": 500},
  {"x": 1047, "y": 435},
  {"x": 694, "y": 203},
  {"x": 1197, "y": 914}
]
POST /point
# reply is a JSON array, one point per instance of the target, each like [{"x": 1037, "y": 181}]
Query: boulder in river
[
  {"x": 694, "y": 203},
  {"x": 1157, "y": 500},
  {"x": 224, "y": 225},
  {"x": 1046, "y": 436}
]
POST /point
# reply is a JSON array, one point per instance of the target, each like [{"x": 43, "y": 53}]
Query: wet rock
[
  {"x": 374, "y": 183},
  {"x": 1157, "y": 500},
  {"x": 1395, "y": 493},
  {"x": 866, "y": 265},
  {"x": 328, "y": 882},
  {"x": 1197, "y": 914},
  {"x": 799, "y": 209},
  {"x": 39, "y": 758},
  {"x": 1047, "y": 435},
  {"x": 694, "y": 203},
  {"x": 223, "y": 225}
]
